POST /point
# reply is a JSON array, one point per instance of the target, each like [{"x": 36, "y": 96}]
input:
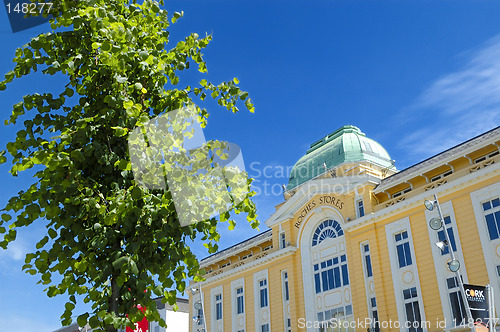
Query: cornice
[
  {"x": 417, "y": 200},
  {"x": 488, "y": 138},
  {"x": 290, "y": 250}
]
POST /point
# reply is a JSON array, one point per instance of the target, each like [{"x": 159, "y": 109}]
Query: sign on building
[{"x": 477, "y": 299}]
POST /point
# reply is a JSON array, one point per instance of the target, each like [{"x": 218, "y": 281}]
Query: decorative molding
[
  {"x": 445, "y": 157},
  {"x": 467, "y": 180},
  {"x": 240, "y": 247},
  {"x": 397, "y": 273},
  {"x": 290, "y": 250}
]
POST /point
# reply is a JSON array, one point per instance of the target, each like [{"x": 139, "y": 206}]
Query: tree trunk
[{"x": 114, "y": 302}]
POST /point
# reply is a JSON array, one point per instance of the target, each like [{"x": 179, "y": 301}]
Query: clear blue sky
[{"x": 417, "y": 76}]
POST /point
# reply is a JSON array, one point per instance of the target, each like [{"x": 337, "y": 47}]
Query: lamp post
[
  {"x": 199, "y": 306},
  {"x": 453, "y": 265}
]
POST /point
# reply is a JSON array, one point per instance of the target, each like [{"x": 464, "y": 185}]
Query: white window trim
[
  {"x": 356, "y": 206},
  {"x": 366, "y": 279},
  {"x": 286, "y": 303},
  {"x": 234, "y": 305},
  {"x": 441, "y": 270},
  {"x": 477, "y": 198},
  {"x": 217, "y": 325},
  {"x": 282, "y": 237},
  {"x": 390, "y": 230},
  {"x": 260, "y": 313}
]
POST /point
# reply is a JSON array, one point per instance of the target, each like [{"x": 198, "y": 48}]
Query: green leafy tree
[{"x": 110, "y": 241}]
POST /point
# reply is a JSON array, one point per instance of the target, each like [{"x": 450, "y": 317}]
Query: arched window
[{"x": 328, "y": 229}]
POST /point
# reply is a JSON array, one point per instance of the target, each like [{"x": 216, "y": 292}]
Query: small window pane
[
  {"x": 407, "y": 253},
  {"x": 492, "y": 227},
  {"x": 345, "y": 275},
  {"x": 337, "y": 277},
  {"x": 368, "y": 262},
  {"x": 348, "y": 310},
  {"x": 317, "y": 283},
  {"x": 401, "y": 256},
  {"x": 451, "y": 283},
  {"x": 330, "y": 279},
  {"x": 495, "y": 202}
]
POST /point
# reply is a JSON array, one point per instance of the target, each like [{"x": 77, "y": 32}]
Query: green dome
[{"x": 346, "y": 144}]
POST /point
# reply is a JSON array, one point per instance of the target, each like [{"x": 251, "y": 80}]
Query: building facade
[{"x": 350, "y": 247}]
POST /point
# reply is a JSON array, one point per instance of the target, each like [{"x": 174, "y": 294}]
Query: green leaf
[
  {"x": 6, "y": 217},
  {"x": 82, "y": 319},
  {"x": 52, "y": 233},
  {"x": 117, "y": 264},
  {"x": 106, "y": 46},
  {"x": 42, "y": 242}
]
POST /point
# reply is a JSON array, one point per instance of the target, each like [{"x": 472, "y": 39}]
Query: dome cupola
[{"x": 346, "y": 144}]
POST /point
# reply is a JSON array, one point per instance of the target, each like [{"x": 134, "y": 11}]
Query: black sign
[{"x": 477, "y": 298}]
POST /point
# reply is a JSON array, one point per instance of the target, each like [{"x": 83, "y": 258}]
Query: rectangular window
[
  {"x": 440, "y": 176},
  {"x": 403, "y": 249},
  {"x": 360, "y": 209},
  {"x": 240, "y": 307},
  {"x": 402, "y": 192},
  {"x": 246, "y": 256},
  {"x": 483, "y": 158},
  {"x": 491, "y": 211},
  {"x": 441, "y": 237},
  {"x": 285, "y": 286},
  {"x": 265, "y": 328},
  {"x": 282, "y": 240},
  {"x": 264, "y": 302},
  {"x": 218, "y": 306},
  {"x": 331, "y": 274},
  {"x": 368, "y": 260},
  {"x": 224, "y": 265},
  {"x": 456, "y": 301},
  {"x": 412, "y": 309},
  {"x": 374, "y": 312}
]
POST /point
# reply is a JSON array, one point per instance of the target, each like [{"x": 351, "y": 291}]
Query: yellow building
[{"x": 351, "y": 246}]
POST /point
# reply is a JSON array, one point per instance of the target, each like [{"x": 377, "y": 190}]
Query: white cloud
[{"x": 459, "y": 105}]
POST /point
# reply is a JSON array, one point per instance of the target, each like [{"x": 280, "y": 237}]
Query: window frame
[
  {"x": 403, "y": 249},
  {"x": 218, "y": 307},
  {"x": 282, "y": 239},
  {"x": 240, "y": 300},
  {"x": 263, "y": 293},
  {"x": 360, "y": 208}
]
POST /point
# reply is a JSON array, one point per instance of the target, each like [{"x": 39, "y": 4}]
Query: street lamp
[
  {"x": 198, "y": 305},
  {"x": 453, "y": 265}
]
